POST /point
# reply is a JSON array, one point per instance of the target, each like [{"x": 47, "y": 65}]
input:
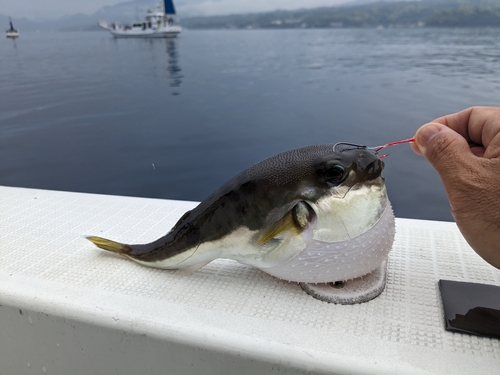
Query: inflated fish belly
[
  {"x": 314, "y": 214},
  {"x": 322, "y": 262}
]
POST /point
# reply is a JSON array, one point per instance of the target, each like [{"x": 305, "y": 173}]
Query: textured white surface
[{"x": 56, "y": 278}]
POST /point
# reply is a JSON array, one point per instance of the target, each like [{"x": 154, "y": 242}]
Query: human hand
[{"x": 464, "y": 148}]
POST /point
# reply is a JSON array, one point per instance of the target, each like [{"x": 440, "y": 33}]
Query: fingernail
[{"x": 426, "y": 133}]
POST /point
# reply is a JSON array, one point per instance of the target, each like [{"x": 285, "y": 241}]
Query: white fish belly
[{"x": 323, "y": 262}]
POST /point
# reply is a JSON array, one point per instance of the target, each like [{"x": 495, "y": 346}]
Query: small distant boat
[
  {"x": 11, "y": 33},
  {"x": 159, "y": 23}
]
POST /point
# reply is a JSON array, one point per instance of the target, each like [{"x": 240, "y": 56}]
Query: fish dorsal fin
[
  {"x": 293, "y": 222},
  {"x": 181, "y": 220}
]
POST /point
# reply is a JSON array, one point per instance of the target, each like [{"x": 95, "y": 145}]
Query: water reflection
[
  {"x": 151, "y": 57},
  {"x": 173, "y": 68},
  {"x": 14, "y": 43}
]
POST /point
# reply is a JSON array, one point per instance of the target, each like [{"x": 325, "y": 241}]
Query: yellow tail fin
[{"x": 109, "y": 245}]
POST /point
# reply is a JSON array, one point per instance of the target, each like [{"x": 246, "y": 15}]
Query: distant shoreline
[
  {"x": 425, "y": 13},
  {"x": 100, "y": 30},
  {"x": 373, "y": 15}
]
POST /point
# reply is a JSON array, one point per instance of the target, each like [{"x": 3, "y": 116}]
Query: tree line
[{"x": 461, "y": 13}]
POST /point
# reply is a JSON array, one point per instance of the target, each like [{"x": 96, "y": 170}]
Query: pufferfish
[{"x": 316, "y": 214}]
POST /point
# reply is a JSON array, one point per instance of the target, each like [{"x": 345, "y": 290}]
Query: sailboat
[
  {"x": 159, "y": 23},
  {"x": 11, "y": 33}
]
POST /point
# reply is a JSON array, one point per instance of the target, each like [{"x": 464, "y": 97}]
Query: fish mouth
[
  {"x": 368, "y": 164},
  {"x": 373, "y": 170}
]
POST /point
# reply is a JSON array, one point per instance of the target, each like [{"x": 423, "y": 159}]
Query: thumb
[{"x": 445, "y": 149}]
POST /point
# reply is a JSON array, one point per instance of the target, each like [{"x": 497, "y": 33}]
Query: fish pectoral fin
[
  {"x": 189, "y": 270},
  {"x": 282, "y": 226},
  {"x": 293, "y": 223}
]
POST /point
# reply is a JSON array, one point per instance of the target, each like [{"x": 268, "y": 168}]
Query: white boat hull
[
  {"x": 12, "y": 34},
  {"x": 166, "y": 32},
  {"x": 157, "y": 24}
]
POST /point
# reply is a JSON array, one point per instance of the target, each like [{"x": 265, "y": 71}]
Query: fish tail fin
[{"x": 109, "y": 245}]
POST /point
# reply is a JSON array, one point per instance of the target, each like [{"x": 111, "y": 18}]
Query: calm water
[{"x": 177, "y": 118}]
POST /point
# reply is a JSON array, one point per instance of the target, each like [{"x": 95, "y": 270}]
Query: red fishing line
[{"x": 380, "y": 148}]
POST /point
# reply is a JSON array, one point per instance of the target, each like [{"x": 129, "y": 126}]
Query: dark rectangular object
[{"x": 471, "y": 308}]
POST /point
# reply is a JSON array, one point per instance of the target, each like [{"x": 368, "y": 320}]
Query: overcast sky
[{"x": 45, "y": 9}]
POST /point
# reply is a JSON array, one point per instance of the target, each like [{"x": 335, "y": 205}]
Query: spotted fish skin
[{"x": 267, "y": 214}]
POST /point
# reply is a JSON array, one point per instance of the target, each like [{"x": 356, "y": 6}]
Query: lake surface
[{"x": 176, "y": 118}]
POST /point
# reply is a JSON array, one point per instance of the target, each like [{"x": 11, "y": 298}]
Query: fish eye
[{"x": 336, "y": 174}]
